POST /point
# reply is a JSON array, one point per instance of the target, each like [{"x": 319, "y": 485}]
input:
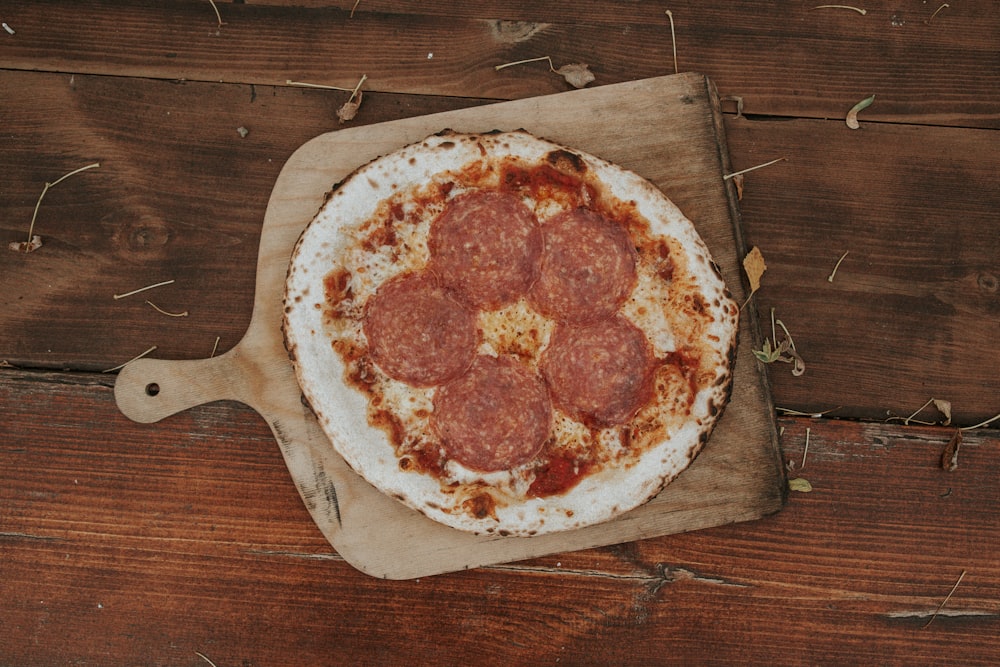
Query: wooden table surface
[{"x": 185, "y": 542}]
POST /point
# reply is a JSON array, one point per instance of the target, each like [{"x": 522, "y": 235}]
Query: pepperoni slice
[
  {"x": 418, "y": 332},
  {"x": 601, "y": 373},
  {"x": 588, "y": 267},
  {"x": 495, "y": 417},
  {"x": 486, "y": 246}
]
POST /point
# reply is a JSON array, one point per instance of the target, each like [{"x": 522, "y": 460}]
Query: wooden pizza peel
[{"x": 667, "y": 129}]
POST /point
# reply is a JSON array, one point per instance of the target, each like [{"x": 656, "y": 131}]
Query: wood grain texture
[
  {"x": 181, "y": 195},
  {"x": 135, "y": 545},
  {"x": 913, "y": 311},
  {"x": 783, "y": 60}
]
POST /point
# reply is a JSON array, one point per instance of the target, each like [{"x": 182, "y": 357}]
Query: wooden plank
[
  {"x": 913, "y": 309},
  {"x": 179, "y": 192},
  {"x": 780, "y": 61},
  {"x": 132, "y": 544}
]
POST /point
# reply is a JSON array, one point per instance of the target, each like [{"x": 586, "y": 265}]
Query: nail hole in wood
[{"x": 152, "y": 389}]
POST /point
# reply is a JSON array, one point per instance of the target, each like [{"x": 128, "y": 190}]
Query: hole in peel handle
[{"x": 148, "y": 390}]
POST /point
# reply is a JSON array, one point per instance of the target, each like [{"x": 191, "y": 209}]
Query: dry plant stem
[
  {"x": 853, "y": 9},
  {"x": 201, "y": 655},
  {"x": 356, "y": 3},
  {"x": 31, "y": 228},
  {"x": 797, "y": 413},
  {"x": 945, "y": 601},
  {"x": 673, "y": 39},
  {"x": 836, "y": 266},
  {"x": 164, "y": 312},
  {"x": 121, "y": 366},
  {"x": 215, "y": 348},
  {"x": 726, "y": 177},
  {"x": 805, "y": 450},
  {"x": 936, "y": 12},
  {"x": 143, "y": 289},
  {"x": 364, "y": 77},
  {"x": 523, "y": 62},
  {"x": 218, "y": 16},
  {"x": 906, "y": 422},
  {"x": 301, "y": 84},
  {"x": 981, "y": 424}
]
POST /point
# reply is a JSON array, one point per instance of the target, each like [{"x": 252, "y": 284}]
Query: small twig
[
  {"x": 316, "y": 85},
  {"x": 356, "y": 3},
  {"x": 164, "y": 312},
  {"x": 59, "y": 180},
  {"x": 945, "y": 601},
  {"x": 364, "y": 77},
  {"x": 215, "y": 348},
  {"x": 523, "y": 62},
  {"x": 673, "y": 39},
  {"x": 805, "y": 451},
  {"x": 218, "y": 16},
  {"x": 906, "y": 422},
  {"x": 797, "y": 413},
  {"x": 981, "y": 424},
  {"x": 726, "y": 177},
  {"x": 853, "y": 9},
  {"x": 121, "y": 366},
  {"x": 205, "y": 658},
  {"x": 928, "y": 21},
  {"x": 142, "y": 289},
  {"x": 836, "y": 266}
]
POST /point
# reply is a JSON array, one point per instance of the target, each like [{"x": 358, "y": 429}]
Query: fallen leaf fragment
[
  {"x": 26, "y": 246},
  {"x": 349, "y": 110},
  {"x": 852, "y": 115},
  {"x": 754, "y": 266},
  {"x": 800, "y": 484},
  {"x": 738, "y": 182},
  {"x": 577, "y": 75},
  {"x": 949, "y": 457},
  {"x": 944, "y": 407}
]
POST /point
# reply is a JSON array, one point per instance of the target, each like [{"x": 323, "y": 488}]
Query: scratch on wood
[
  {"x": 294, "y": 554},
  {"x": 322, "y": 484},
  {"x": 956, "y": 613},
  {"x": 27, "y": 536}
]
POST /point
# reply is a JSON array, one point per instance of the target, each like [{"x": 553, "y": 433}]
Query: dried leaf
[
  {"x": 577, "y": 75},
  {"x": 800, "y": 484},
  {"x": 738, "y": 182},
  {"x": 754, "y": 265},
  {"x": 944, "y": 407},
  {"x": 852, "y": 115},
  {"x": 350, "y": 108},
  {"x": 26, "y": 246},
  {"x": 949, "y": 458}
]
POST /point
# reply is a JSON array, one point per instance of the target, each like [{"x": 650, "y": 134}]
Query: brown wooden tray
[{"x": 667, "y": 129}]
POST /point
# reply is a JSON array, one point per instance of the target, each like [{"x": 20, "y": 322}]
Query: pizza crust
[{"x": 680, "y": 302}]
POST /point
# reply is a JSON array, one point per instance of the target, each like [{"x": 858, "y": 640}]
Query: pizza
[{"x": 508, "y": 335}]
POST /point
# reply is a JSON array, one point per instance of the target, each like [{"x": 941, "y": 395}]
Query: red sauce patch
[{"x": 557, "y": 476}]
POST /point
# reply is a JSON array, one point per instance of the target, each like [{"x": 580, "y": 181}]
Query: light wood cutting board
[{"x": 667, "y": 129}]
